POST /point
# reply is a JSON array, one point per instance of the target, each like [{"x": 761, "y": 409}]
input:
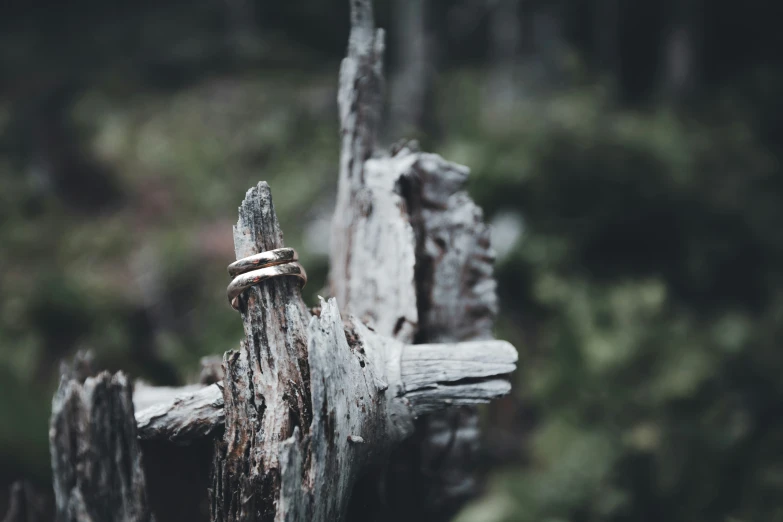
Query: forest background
[{"x": 626, "y": 153}]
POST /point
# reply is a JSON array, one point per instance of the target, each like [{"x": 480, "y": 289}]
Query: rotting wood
[
  {"x": 427, "y": 377},
  {"x": 411, "y": 256},
  {"x": 180, "y": 415},
  {"x": 266, "y": 385},
  {"x": 96, "y": 459},
  {"x": 311, "y": 403},
  {"x": 288, "y": 458}
]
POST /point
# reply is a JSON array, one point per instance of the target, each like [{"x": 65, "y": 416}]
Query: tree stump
[
  {"x": 307, "y": 413},
  {"x": 96, "y": 459},
  {"x": 411, "y": 256}
]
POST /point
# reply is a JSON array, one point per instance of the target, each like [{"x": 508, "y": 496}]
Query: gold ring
[
  {"x": 274, "y": 257},
  {"x": 244, "y": 281}
]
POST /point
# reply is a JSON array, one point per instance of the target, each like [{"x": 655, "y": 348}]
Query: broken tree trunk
[
  {"x": 430, "y": 377},
  {"x": 96, "y": 458},
  {"x": 410, "y": 255},
  {"x": 310, "y": 404},
  {"x": 266, "y": 385}
]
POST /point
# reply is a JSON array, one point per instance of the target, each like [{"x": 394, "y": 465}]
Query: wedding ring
[
  {"x": 245, "y": 280},
  {"x": 274, "y": 257}
]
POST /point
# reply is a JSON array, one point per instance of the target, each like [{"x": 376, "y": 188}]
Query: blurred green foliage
[
  {"x": 650, "y": 267},
  {"x": 143, "y": 284},
  {"x": 645, "y": 292}
]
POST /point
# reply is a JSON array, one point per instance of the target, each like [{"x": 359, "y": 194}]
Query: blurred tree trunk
[
  {"x": 241, "y": 17},
  {"x": 546, "y": 47},
  {"x": 681, "y": 49},
  {"x": 527, "y": 44},
  {"x": 606, "y": 30},
  {"x": 503, "y": 89},
  {"x": 412, "y": 81}
]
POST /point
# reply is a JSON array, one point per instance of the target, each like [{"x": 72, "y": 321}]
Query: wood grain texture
[
  {"x": 311, "y": 402},
  {"x": 179, "y": 415},
  {"x": 457, "y": 301},
  {"x": 267, "y": 383},
  {"x": 411, "y": 257},
  {"x": 96, "y": 459},
  {"x": 311, "y": 408},
  {"x": 370, "y": 234},
  {"x": 422, "y": 377}
]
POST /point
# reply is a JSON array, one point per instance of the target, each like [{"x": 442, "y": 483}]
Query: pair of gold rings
[{"x": 252, "y": 270}]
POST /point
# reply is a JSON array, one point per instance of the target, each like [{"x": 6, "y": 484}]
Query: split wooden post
[
  {"x": 411, "y": 255},
  {"x": 311, "y": 403},
  {"x": 96, "y": 458}
]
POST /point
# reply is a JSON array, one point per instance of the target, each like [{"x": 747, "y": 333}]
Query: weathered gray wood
[
  {"x": 308, "y": 404},
  {"x": 266, "y": 386},
  {"x": 349, "y": 404},
  {"x": 361, "y": 408},
  {"x": 411, "y": 256},
  {"x": 146, "y": 396},
  {"x": 179, "y": 414},
  {"x": 457, "y": 301},
  {"x": 455, "y": 285},
  {"x": 426, "y": 366},
  {"x": 309, "y": 408},
  {"x": 96, "y": 460},
  {"x": 425, "y": 377},
  {"x": 363, "y": 239}
]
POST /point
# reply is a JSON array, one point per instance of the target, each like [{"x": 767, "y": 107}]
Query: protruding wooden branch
[
  {"x": 96, "y": 460},
  {"x": 425, "y": 377},
  {"x": 179, "y": 415},
  {"x": 438, "y": 375},
  {"x": 182, "y": 414},
  {"x": 146, "y": 396}
]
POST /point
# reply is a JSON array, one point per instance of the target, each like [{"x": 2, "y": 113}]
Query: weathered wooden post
[
  {"x": 410, "y": 255},
  {"x": 311, "y": 403},
  {"x": 96, "y": 459}
]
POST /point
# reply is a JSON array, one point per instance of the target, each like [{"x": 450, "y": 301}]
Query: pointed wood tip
[{"x": 257, "y": 229}]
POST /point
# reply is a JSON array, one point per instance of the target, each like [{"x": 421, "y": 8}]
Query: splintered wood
[{"x": 389, "y": 370}]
